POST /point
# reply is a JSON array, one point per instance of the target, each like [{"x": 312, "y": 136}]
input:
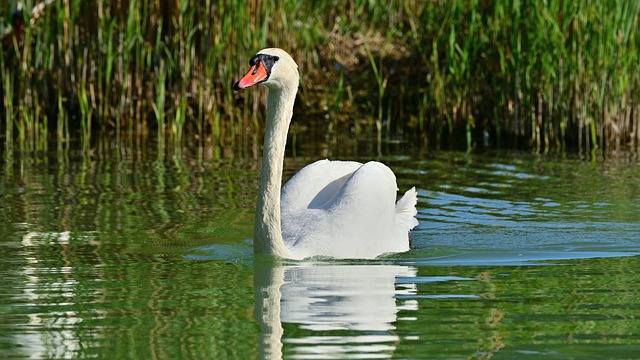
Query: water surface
[{"x": 516, "y": 256}]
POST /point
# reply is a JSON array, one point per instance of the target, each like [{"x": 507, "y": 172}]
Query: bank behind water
[{"x": 541, "y": 75}]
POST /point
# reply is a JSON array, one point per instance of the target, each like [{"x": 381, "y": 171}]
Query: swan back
[{"x": 346, "y": 210}]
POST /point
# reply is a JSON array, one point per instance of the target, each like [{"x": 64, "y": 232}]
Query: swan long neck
[{"x": 268, "y": 230}]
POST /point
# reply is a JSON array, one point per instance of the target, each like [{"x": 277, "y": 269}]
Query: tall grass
[
  {"x": 541, "y": 73},
  {"x": 545, "y": 75}
]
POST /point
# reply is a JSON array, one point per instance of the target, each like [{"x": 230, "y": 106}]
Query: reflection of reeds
[{"x": 545, "y": 75}]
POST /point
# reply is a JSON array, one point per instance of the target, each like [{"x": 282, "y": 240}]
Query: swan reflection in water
[{"x": 340, "y": 309}]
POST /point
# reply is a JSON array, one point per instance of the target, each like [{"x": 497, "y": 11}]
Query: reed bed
[{"x": 550, "y": 75}]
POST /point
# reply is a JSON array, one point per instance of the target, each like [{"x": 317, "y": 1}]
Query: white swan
[{"x": 339, "y": 209}]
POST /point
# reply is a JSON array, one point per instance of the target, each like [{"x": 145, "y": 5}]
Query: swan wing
[
  {"x": 315, "y": 184},
  {"x": 355, "y": 215}
]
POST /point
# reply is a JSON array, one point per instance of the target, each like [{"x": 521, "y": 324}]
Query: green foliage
[
  {"x": 541, "y": 74},
  {"x": 545, "y": 73}
]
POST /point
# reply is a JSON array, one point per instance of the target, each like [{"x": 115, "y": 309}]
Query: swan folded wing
[
  {"x": 358, "y": 221},
  {"x": 352, "y": 216},
  {"x": 370, "y": 189},
  {"x": 315, "y": 184}
]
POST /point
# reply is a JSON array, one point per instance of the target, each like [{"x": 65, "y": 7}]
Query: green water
[{"x": 147, "y": 256}]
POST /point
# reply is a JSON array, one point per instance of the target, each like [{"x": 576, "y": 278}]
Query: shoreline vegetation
[{"x": 547, "y": 76}]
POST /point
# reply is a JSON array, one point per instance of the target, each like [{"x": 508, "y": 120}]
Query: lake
[{"x": 137, "y": 254}]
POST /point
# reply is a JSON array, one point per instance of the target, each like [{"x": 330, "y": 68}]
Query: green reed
[
  {"x": 381, "y": 81},
  {"x": 545, "y": 75},
  {"x": 7, "y": 84}
]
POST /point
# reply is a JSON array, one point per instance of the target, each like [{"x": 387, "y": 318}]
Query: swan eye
[{"x": 266, "y": 60}]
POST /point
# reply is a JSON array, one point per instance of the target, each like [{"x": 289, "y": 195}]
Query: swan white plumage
[{"x": 339, "y": 209}]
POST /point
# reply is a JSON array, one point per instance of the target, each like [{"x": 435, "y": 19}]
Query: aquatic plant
[{"x": 516, "y": 73}]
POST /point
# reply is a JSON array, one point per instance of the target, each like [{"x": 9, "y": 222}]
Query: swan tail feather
[{"x": 406, "y": 209}]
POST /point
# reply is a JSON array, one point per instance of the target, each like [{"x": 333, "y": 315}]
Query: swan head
[{"x": 274, "y": 68}]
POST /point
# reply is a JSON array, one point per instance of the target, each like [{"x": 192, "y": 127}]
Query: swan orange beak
[{"x": 257, "y": 74}]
